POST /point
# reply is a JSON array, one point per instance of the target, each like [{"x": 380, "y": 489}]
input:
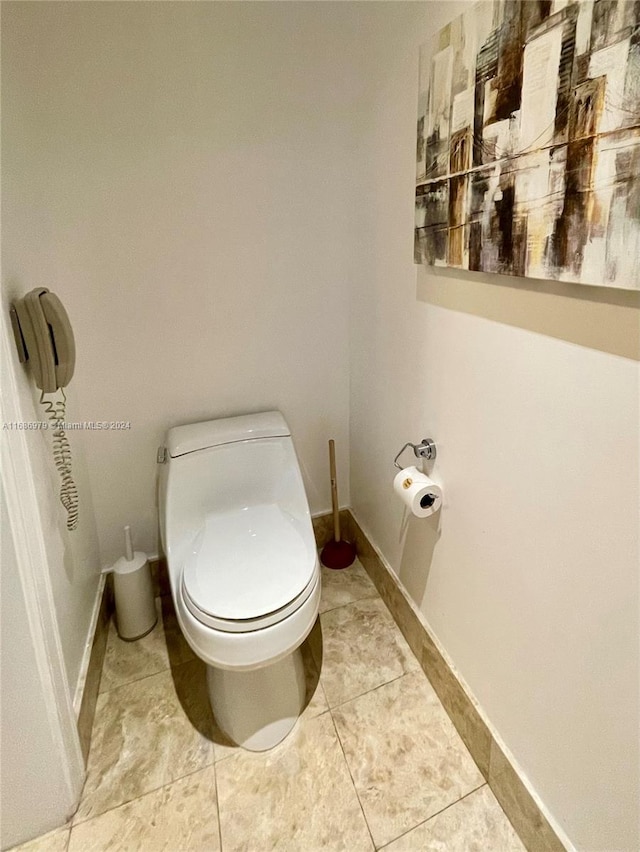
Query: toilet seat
[
  {"x": 249, "y": 568},
  {"x": 248, "y": 625}
]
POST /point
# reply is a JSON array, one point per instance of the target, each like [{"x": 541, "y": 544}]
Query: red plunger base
[{"x": 338, "y": 554}]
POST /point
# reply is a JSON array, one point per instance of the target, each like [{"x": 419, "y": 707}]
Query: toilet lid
[{"x": 248, "y": 562}]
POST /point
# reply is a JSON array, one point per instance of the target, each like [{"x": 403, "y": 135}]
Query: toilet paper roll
[{"x": 418, "y": 492}]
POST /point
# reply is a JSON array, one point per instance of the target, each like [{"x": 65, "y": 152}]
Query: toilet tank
[{"x": 224, "y": 466}]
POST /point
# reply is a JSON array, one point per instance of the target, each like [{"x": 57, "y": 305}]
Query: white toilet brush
[{"x": 135, "y": 603}]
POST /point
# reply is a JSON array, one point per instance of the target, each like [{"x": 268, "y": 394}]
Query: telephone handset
[
  {"x": 47, "y": 338},
  {"x": 44, "y": 339}
]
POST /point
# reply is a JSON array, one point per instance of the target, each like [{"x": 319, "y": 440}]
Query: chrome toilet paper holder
[{"x": 426, "y": 449}]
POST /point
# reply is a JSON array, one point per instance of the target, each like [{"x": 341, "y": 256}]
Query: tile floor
[{"x": 373, "y": 763}]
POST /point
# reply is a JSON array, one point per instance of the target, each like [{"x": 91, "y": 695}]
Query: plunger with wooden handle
[{"x": 336, "y": 553}]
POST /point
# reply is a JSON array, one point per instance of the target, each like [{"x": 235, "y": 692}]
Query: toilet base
[{"x": 257, "y": 709}]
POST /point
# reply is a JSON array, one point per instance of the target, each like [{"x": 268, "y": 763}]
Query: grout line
[
  {"x": 143, "y": 795},
  {"x": 324, "y": 695},
  {"x": 215, "y": 778},
  {"x": 369, "y": 691},
  {"x": 159, "y": 623},
  {"x": 437, "y": 813},
  {"x": 227, "y": 756},
  {"x": 355, "y": 600},
  {"x": 74, "y": 821},
  {"x": 402, "y": 674},
  {"x": 168, "y": 668},
  {"x": 108, "y": 692},
  {"x": 353, "y": 783},
  {"x": 138, "y": 679}
]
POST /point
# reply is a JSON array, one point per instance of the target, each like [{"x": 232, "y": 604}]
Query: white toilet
[{"x": 243, "y": 566}]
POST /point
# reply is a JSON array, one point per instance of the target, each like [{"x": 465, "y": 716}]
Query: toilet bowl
[{"x": 243, "y": 567}]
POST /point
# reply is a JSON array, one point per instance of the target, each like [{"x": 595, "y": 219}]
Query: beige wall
[
  {"x": 181, "y": 174},
  {"x": 529, "y": 576}
]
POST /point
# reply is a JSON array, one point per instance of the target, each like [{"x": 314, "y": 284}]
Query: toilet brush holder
[{"x": 135, "y": 602}]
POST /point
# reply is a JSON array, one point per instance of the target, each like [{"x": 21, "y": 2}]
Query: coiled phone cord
[{"x": 55, "y": 410}]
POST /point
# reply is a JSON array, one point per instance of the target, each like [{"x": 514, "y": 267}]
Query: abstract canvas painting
[{"x": 528, "y": 149}]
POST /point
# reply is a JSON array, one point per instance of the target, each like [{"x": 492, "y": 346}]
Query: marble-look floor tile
[
  {"x": 476, "y": 823},
  {"x": 180, "y": 816},
  {"x": 54, "y": 841},
  {"x": 298, "y": 796},
  {"x": 125, "y": 662},
  {"x": 458, "y": 704},
  {"x": 164, "y": 646},
  {"x": 406, "y": 758},
  {"x": 361, "y": 649},
  {"x": 145, "y": 735},
  {"x": 461, "y": 709},
  {"x": 315, "y": 703},
  {"x": 344, "y": 586}
]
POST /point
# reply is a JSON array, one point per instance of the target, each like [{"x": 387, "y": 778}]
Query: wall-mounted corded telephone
[{"x": 44, "y": 339}]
